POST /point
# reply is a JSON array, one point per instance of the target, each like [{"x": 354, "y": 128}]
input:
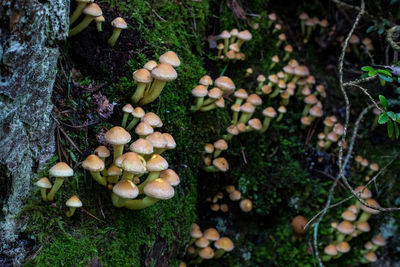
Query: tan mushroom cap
[
  {"x": 152, "y": 119},
  {"x": 113, "y": 170},
  {"x": 282, "y": 109},
  {"x": 288, "y": 48},
  {"x": 354, "y": 39},
  {"x": 171, "y": 144},
  {"x": 215, "y": 93},
  {"x": 303, "y": 16},
  {"x": 363, "y": 226},
  {"x": 61, "y": 169},
  {"x": 224, "y": 243},
  {"x": 330, "y": 250},
  {"x": 202, "y": 242},
  {"x": 333, "y": 137},
  {"x": 119, "y": 23},
  {"x": 206, "y": 80},
  {"x": 311, "y": 99},
  {"x": 345, "y": 227},
  {"x": 220, "y": 102},
  {"x": 117, "y": 136},
  {"x": 273, "y": 78},
  {"x": 269, "y": 112},
  {"x": 164, "y": 72},
  {"x": 234, "y": 47},
  {"x": 338, "y": 129},
  {"x": 368, "y": 245},
  {"x": 244, "y": 35},
  {"x": 266, "y": 89},
  {"x": 220, "y": 46},
  {"x": 144, "y": 129},
  {"x": 374, "y": 167},
  {"x": 353, "y": 209},
  {"x": 275, "y": 59},
  {"x": 379, "y": 240},
  {"x": 209, "y": 148},
  {"x": 365, "y": 192},
  {"x": 321, "y": 136},
  {"x": 221, "y": 144},
  {"x": 288, "y": 69},
  {"x": 298, "y": 224},
  {"x": 282, "y": 37},
  {"x": 255, "y": 124},
  {"x": 306, "y": 91},
  {"x": 214, "y": 207},
  {"x": 102, "y": 152},
  {"x": 254, "y": 99},
  {"x": 247, "y": 108},
  {"x": 225, "y": 83},
  {"x": 196, "y": 232},
  {"x": 246, "y": 205},
  {"x": 156, "y": 163},
  {"x": 200, "y": 91},
  {"x": 328, "y": 122},
  {"x": 316, "y": 111},
  {"x": 230, "y": 54},
  {"x": 235, "y": 107},
  {"x": 371, "y": 256},
  {"x": 358, "y": 158},
  {"x": 235, "y": 195},
  {"x": 142, "y": 76},
  {"x": 206, "y": 253},
  {"x": 272, "y": 16},
  {"x": 241, "y": 127},
  {"x": 280, "y": 75},
  {"x": 221, "y": 164},
  {"x": 310, "y": 22},
  {"x": 230, "y": 188},
  {"x": 301, "y": 71},
  {"x": 224, "y": 35},
  {"x": 150, "y": 65},
  {"x": 93, "y": 10},
  {"x": 170, "y": 58},
  {"x": 127, "y": 108},
  {"x": 170, "y": 177},
  {"x": 364, "y": 162},
  {"x": 211, "y": 234},
  {"x": 241, "y": 94},
  {"x": 43, "y": 183},
  {"x": 157, "y": 139},
  {"x": 343, "y": 247},
  {"x": 131, "y": 162},
  {"x": 349, "y": 216},
  {"x": 233, "y": 129},
  {"x": 74, "y": 202},
  {"x": 142, "y": 147},
  {"x": 305, "y": 121},
  {"x": 126, "y": 189},
  {"x": 261, "y": 78},
  {"x": 93, "y": 163},
  {"x": 159, "y": 189},
  {"x": 194, "y": 226},
  {"x": 324, "y": 23}
]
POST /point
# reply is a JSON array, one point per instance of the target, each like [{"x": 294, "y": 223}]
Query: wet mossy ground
[{"x": 275, "y": 170}]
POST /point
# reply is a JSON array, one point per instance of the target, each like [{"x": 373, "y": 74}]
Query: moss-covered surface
[{"x": 275, "y": 170}]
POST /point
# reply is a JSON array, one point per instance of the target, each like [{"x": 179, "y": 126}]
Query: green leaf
[
  {"x": 371, "y": 28},
  {"x": 391, "y": 115},
  {"x": 384, "y": 102},
  {"x": 383, "y": 118},
  {"x": 390, "y": 128},
  {"x": 384, "y": 72},
  {"x": 381, "y": 30},
  {"x": 396, "y": 128},
  {"x": 382, "y": 82},
  {"x": 367, "y": 68},
  {"x": 385, "y": 78}
]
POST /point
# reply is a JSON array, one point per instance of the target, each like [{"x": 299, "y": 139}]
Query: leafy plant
[
  {"x": 383, "y": 75},
  {"x": 389, "y": 117},
  {"x": 379, "y": 27}
]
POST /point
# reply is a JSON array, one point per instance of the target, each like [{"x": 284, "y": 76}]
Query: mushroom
[
  {"x": 282, "y": 110},
  {"x": 242, "y": 37},
  {"x": 373, "y": 168},
  {"x": 143, "y": 78},
  {"x": 342, "y": 247},
  {"x": 247, "y": 110},
  {"x": 154, "y": 166},
  {"x": 282, "y": 38},
  {"x": 95, "y": 165},
  {"x": 223, "y": 245},
  {"x": 150, "y": 65},
  {"x": 199, "y": 92},
  {"x": 144, "y": 129},
  {"x": 219, "y": 165},
  {"x": 102, "y": 152},
  {"x": 275, "y": 60},
  {"x": 260, "y": 81},
  {"x": 127, "y": 109},
  {"x": 225, "y": 35},
  {"x": 122, "y": 192},
  {"x": 269, "y": 113},
  {"x": 81, "y": 4},
  {"x": 354, "y": 42},
  {"x": 60, "y": 171},
  {"x": 232, "y": 130},
  {"x": 378, "y": 241},
  {"x": 367, "y": 212},
  {"x": 303, "y": 17},
  {"x": 113, "y": 174},
  {"x": 99, "y": 20},
  {"x": 370, "y": 257},
  {"x": 234, "y": 32},
  {"x": 158, "y": 141},
  {"x": 132, "y": 164},
  {"x": 73, "y": 203},
  {"x": 43, "y": 184},
  {"x": 119, "y": 24},
  {"x": 344, "y": 228},
  {"x": 219, "y": 145},
  {"x": 288, "y": 50},
  {"x": 220, "y": 47},
  {"x": 142, "y": 147},
  {"x": 271, "y": 19},
  {"x": 249, "y": 71},
  {"x": 117, "y": 137},
  {"x": 246, "y": 205},
  {"x": 310, "y": 24},
  {"x": 310, "y": 100},
  {"x": 362, "y": 192},
  {"x": 235, "y": 195},
  {"x": 91, "y": 11},
  {"x": 330, "y": 251},
  {"x": 298, "y": 225},
  {"x": 170, "y": 177},
  {"x": 254, "y": 125}
]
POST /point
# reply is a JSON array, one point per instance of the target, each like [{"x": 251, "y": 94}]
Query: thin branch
[{"x": 391, "y": 34}]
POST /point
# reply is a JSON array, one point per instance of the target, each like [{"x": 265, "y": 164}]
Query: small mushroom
[
  {"x": 60, "y": 171},
  {"x": 81, "y": 4},
  {"x": 43, "y": 184},
  {"x": 91, "y": 11},
  {"x": 73, "y": 203},
  {"x": 119, "y": 24}
]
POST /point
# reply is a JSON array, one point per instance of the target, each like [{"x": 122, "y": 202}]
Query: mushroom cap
[
  {"x": 275, "y": 59},
  {"x": 241, "y": 127},
  {"x": 138, "y": 112},
  {"x": 230, "y": 54},
  {"x": 301, "y": 71},
  {"x": 224, "y": 243},
  {"x": 144, "y": 129},
  {"x": 273, "y": 78},
  {"x": 310, "y": 99},
  {"x": 379, "y": 240},
  {"x": 368, "y": 245},
  {"x": 272, "y": 16},
  {"x": 171, "y": 58},
  {"x": 343, "y": 247},
  {"x": 328, "y": 122},
  {"x": 354, "y": 39},
  {"x": 365, "y": 192},
  {"x": 225, "y": 83},
  {"x": 131, "y": 162},
  {"x": 221, "y": 144},
  {"x": 345, "y": 227},
  {"x": 306, "y": 91},
  {"x": 156, "y": 163},
  {"x": 363, "y": 226},
  {"x": 374, "y": 167},
  {"x": 142, "y": 76},
  {"x": 220, "y": 46},
  {"x": 126, "y": 189},
  {"x": 224, "y": 207},
  {"x": 117, "y": 136},
  {"x": 310, "y": 22},
  {"x": 74, "y": 202},
  {"x": 247, "y": 108},
  {"x": 305, "y": 121},
  {"x": 233, "y": 129},
  {"x": 249, "y": 70},
  {"x": 119, "y": 23},
  {"x": 281, "y": 75},
  {"x": 61, "y": 169},
  {"x": 209, "y": 148},
  {"x": 93, "y": 163},
  {"x": 241, "y": 94},
  {"x": 171, "y": 144},
  {"x": 159, "y": 189},
  {"x": 285, "y": 95},
  {"x": 269, "y": 112},
  {"x": 353, "y": 209},
  {"x": 170, "y": 177},
  {"x": 316, "y": 111},
  {"x": 298, "y": 224},
  {"x": 152, "y": 119},
  {"x": 349, "y": 216},
  {"x": 157, "y": 139},
  {"x": 364, "y": 162},
  {"x": 288, "y": 69},
  {"x": 303, "y": 16},
  {"x": 221, "y": 164},
  {"x": 282, "y": 109},
  {"x": 266, "y": 89},
  {"x": 244, "y": 35},
  {"x": 150, "y": 65},
  {"x": 93, "y": 10},
  {"x": 321, "y": 136},
  {"x": 214, "y": 207},
  {"x": 246, "y": 205},
  {"x": 235, "y": 195},
  {"x": 224, "y": 35},
  {"x": 196, "y": 232},
  {"x": 282, "y": 37},
  {"x": 254, "y": 99},
  {"x": 127, "y": 108},
  {"x": 358, "y": 158},
  {"x": 194, "y": 226},
  {"x": 234, "y": 47},
  {"x": 142, "y": 146},
  {"x": 202, "y": 242},
  {"x": 211, "y": 234},
  {"x": 260, "y": 78},
  {"x": 230, "y": 188},
  {"x": 330, "y": 250},
  {"x": 102, "y": 152},
  {"x": 288, "y": 48},
  {"x": 338, "y": 129},
  {"x": 43, "y": 183},
  {"x": 310, "y": 80},
  {"x": 235, "y": 107},
  {"x": 234, "y": 32},
  {"x": 255, "y": 124},
  {"x": 215, "y": 93},
  {"x": 206, "y": 80},
  {"x": 206, "y": 253},
  {"x": 370, "y": 256},
  {"x": 113, "y": 170},
  {"x": 333, "y": 137},
  {"x": 164, "y": 72},
  {"x": 200, "y": 91},
  {"x": 324, "y": 23},
  {"x": 220, "y": 102}
]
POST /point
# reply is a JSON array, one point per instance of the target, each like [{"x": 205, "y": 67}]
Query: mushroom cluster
[
  {"x": 151, "y": 79},
  {"x": 364, "y": 167},
  {"x": 355, "y": 222},
  {"x": 229, "y": 49},
  {"x": 92, "y": 12},
  {"x": 371, "y": 247},
  {"x": 309, "y": 24},
  {"x": 212, "y": 160},
  {"x": 219, "y": 204},
  {"x": 331, "y": 134},
  {"x": 201, "y": 243}
]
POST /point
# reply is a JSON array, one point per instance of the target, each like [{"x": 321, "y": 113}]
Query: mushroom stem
[
  {"x": 309, "y": 32},
  {"x": 240, "y": 42},
  {"x": 57, "y": 184},
  {"x": 138, "y": 204},
  {"x": 219, "y": 253},
  {"x": 117, "y": 201},
  {"x": 98, "y": 26},
  {"x": 227, "y": 137},
  {"x": 118, "y": 150},
  {"x": 138, "y": 95},
  {"x": 124, "y": 119},
  {"x": 226, "y": 45},
  {"x": 273, "y": 64},
  {"x": 327, "y": 130},
  {"x": 209, "y": 101},
  {"x": 152, "y": 176},
  {"x": 114, "y": 37},
  {"x": 81, "y": 26},
  {"x": 210, "y": 168},
  {"x": 217, "y": 152},
  {"x": 275, "y": 93},
  {"x": 208, "y": 108},
  {"x": 355, "y": 49},
  {"x": 198, "y": 103},
  {"x": 286, "y": 57},
  {"x": 279, "y": 118},
  {"x": 364, "y": 217},
  {"x": 43, "y": 193},
  {"x": 77, "y": 12},
  {"x": 70, "y": 212},
  {"x": 306, "y": 110},
  {"x": 235, "y": 117},
  {"x": 113, "y": 179},
  {"x": 132, "y": 124},
  {"x": 154, "y": 92},
  {"x": 266, "y": 123},
  {"x": 100, "y": 179},
  {"x": 326, "y": 258},
  {"x": 303, "y": 27},
  {"x": 340, "y": 237},
  {"x": 127, "y": 175}
]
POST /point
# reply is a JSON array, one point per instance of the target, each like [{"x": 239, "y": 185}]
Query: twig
[
  {"x": 69, "y": 139},
  {"x": 390, "y": 35},
  {"x": 91, "y": 215},
  {"x": 155, "y": 13}
]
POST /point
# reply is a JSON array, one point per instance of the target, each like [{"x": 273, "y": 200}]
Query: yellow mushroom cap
[
  {"x": 349, "y": 216},
  {"x": 142, "y": 76},
  {"x": 224, "y": 243},
  {"x": 379, "y": 240},
  {"x": 209, "y": 148},
  {"x": 206, "y": 253},
  {"x": 221, "y": 163},
  {"x": 254, "y": 99},
  {"x": 206, "y": 80},
  {"x": 159, "y": 189},
  {"x": 269, "y": 112},
  {"x": 343, "y": 247},
  {"x": 170, "y": 176},
  {"x": 117, "y": 136},
  {"x": 157, "y": 139},
  {"x": 144, "y": 129},
  {"x": 93, "y": 10},
  {"x": 221, "y": 144},
  {"x": 244, "y": 35},
  {"x": 235, "y": 195},
  {"x": 211, "y": 234},
  {"x": 152, "y": 119},
  {"x": 113, "y": 170},
  {"x": 202, "y": 242},
  {"x": 241, "y": 94},
  {"x": 365, "y": 192},
  {"x": 43, "y": 183},
  {"x": 102, "y": 152},
  {"x": 215, "y": 93},
  {"x": 171, "y": 144},
  {"x": 345, "y": 227},
  {"x": 298, "y": 224},
  {"x": 363, "y": 226},
  {"x": 246, "y": 205},
  {"x": 164, "y": 72},
  {"x": 200, "y": 91},
  {"x": 131, "y": 162},
  {"x": 74, "y": 202},
  {"x": 196, "y": 232},
  {"x": 255, "y": 124},
  {"x": 142, "y": 146},
  {"x": 330, "y": 250},
  {"x": 150, "y": 65},
  {"x": 156, "y": 164},
  {"x": 225, "y": 83},
  {"x": 370, "y": 256},
  {"x": 61, "y": 169},
  {"x": 93, "y": 163},
  {"x": 119, "y": 23},
  {"x": 126, "y": 189},
  {"x": 170, "y": 58}
]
